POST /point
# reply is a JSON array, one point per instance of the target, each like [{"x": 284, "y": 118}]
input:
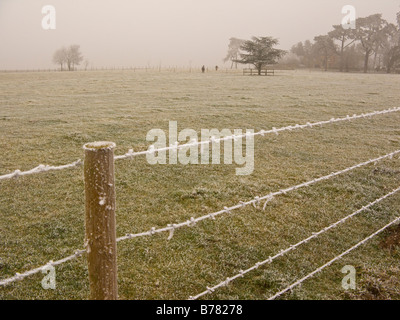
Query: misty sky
[{"x": 166, "y": 32}]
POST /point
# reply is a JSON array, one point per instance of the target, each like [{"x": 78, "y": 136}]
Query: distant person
[
  {"x": 216, "y": 68},
  {"x": 203, "y": 69}
]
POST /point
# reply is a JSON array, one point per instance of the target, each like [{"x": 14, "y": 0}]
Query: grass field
[{"x": 47, "y": 117}]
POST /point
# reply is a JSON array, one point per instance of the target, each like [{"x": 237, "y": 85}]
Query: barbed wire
[
  {"x": 193, "y": 221},
  {"x": 39, "y": 169},
  {"x": 45, "y": 168},
  {"x": 255, "y": 202},
  {"x": 176, "y": 146},
  {"x": 291, "y": 248},
  {"x": 333, "y": 260},
  {"x": 21, "y": 276}
]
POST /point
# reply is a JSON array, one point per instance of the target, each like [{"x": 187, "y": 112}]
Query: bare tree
[
  {"x": 86, "y": 64},
  {"x": 70, "y": 56},
  {"x": 60, "y": 57},
  {"x": 74, "y": 57}
]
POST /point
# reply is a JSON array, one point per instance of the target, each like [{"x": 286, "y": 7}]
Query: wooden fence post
[{"x": 100, "y": 220}]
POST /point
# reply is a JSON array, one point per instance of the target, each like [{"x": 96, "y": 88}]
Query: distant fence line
[{"x": 188, "y": 69}]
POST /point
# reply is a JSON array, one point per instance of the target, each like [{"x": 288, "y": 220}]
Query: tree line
[{"x": 373, "y": 44}]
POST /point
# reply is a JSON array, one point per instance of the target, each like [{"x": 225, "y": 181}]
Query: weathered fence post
[{"x": 100, "y": 220}]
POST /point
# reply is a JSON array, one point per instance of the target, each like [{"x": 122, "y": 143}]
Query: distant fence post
[{"x": 100, "y": 220}]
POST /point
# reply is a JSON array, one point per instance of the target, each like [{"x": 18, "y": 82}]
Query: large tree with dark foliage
[
  {"x": 371, "y": 33},
  {"x": 325, "y": 48},
  {"x": 345, "y": 37},
  {"x": 260, "y": 52},
  {"x": 391, "y": 48}
]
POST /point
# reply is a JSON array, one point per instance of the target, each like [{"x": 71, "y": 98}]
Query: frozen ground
[{"x": 48, "y": 117}]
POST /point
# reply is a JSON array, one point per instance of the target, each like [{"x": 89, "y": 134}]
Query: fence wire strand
[
  {"x": 21, "y": 276},
  {"x": 193, "y": 221},
  {"x": 227, "y": 210},
  {"x": 131, "y": 154},
  {"x": 39, "y": 169},
  {"x": 297, "y": 283},
  {"x": 291, "y": 248},
  {"x": 176, "y": 146},
  {"x": 255, "y": 202}
]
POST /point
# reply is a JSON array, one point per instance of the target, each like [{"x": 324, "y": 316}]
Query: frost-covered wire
[
  {"x": 193, "y": 221},
  {"x": 39, "y": 169},
  {"x": 130, "y": 154},
  {"x": 21, "y": 276},
  {"x": 176, "y": 146},
  {"x": 291, "y": 248},
  {"x": 333, "y": 260},
  {"x": 228, "y": 210}
]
